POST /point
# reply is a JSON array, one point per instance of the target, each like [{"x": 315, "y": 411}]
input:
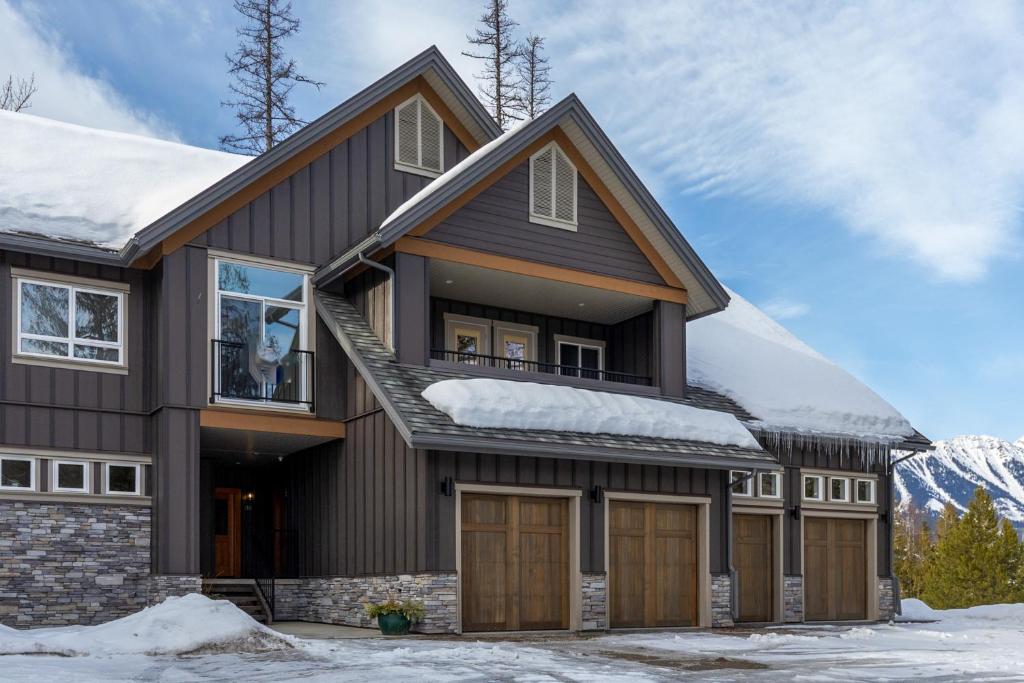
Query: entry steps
[{"x": 242, "y": 592}]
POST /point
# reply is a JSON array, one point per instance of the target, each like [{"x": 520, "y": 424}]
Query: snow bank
[
  {"x": 176, "y": 626},
  {"x": 505, "y": 404},
  {"x": 785, "y": 384},
  {"x": 64, "y": 180},
  {"x": 916, "y": 610}
]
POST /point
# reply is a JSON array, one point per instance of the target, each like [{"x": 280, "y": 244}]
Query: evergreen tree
[
  {"x": 264, "y": 77},
  {"x": 533, "y": 90},
  {"x": 1011, "y": 550},
  {"x": 498, "y": 53},
  {"x": 912, "y": 547}
]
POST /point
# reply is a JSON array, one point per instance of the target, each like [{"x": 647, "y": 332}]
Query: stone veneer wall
[
  {"x": 72, "y": 563},
  {"x": 342, "y": 600},
  {"x": 160, "y": 587},
  {"x": 886, "y": 598},
  {"x": 792, "y": 599},
  {"x": 721, "y": 600},
  {"x": 595, "y": 601}
]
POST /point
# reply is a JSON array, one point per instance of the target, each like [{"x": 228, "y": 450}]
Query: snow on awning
[
  {"x": 785, "y": 384},
  {"x": 506, "y": 404}
]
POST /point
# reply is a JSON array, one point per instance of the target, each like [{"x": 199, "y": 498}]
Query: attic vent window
[
  {"x": 419, "y": 138},
  {"x": 553, "y": 188}
]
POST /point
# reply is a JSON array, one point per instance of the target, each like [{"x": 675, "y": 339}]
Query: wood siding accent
[
  {"x": 835, "y": 569},
  {"x": 256, "y": 421},
  {"x": 370, "y": 294},
  {"x": 753, "y": 552}
]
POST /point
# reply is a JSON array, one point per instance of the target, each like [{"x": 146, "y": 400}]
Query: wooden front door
[
  {"x": 652, "y": 573},
  {"x": 515, "y": 563},
  {"x": 753, "y": 552},
  {"x": 227, "y": 520},
  {"x": 835, "y": 569}
]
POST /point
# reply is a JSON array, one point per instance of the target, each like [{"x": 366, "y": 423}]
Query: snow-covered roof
[
  {"x": 785, "y": 384},
  {"x": 506, "y": 404},
  {"x": 72, "y": 182}
]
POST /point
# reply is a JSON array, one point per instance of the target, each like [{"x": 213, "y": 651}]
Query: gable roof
[{"x": 570, "y": 119}]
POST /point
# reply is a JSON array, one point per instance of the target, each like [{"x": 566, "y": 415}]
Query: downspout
[
  {"x": 391, "y": 296},
  {"x": 734, "y": 606},
  {"x": 890, "y": 470}
]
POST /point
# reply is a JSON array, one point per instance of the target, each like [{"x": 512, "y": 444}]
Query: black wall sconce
[
  {"x": 448, "y": 486},
  {"x": 795, "y": 510},
  {"x": 883, "y": 517},
  {"x": 597, "y": 494}
]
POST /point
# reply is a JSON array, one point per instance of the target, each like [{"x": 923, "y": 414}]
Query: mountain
[{"x": 956, "y": 467}]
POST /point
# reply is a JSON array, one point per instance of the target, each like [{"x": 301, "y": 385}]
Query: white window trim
[
  {"x": 138, "y": 478},
  {"x": 551, "y": 221},
  {"x": 778, "y": 485},
  {"x": 301, "y": 306},
  {"x": 73, "y": 287},
  {"x": 31, "y": 473},
  {"x": 418, "y": 169},
  {"x": 821, "y": 488},
  {"x": 874, "y": 487},
  {"x": 748, "y": 490},
  {"x": 581, "y": 342},
  {"x": 482, "y": 324},
  {"x": 530, "y": 331},
  {"x": 846, "y": 489},
  {"x": 55, "y": 480}
]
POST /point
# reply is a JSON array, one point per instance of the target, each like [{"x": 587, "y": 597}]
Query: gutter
[
  {"x": 889, "y": 471},
  {"x": 734, "y": 603}
]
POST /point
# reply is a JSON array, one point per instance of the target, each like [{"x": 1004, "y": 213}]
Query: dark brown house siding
[{"x": 497, "y": 221}]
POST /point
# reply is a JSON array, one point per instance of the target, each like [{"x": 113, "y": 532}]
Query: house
[{"x": 406, "y": 352}]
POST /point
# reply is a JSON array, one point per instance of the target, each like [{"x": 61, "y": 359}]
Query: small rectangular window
[
  {"x": 123, "y": 479},
  {"x": 741, "y": 483},
  {"x": 770, "y": 485},
  {"x": 865, "y": 490},
  {"x": 839, "y": 489},
  {"x": 580, "y": 357},
  {"x": 70, "y": 476},
  {"x": 813, "y": 487},
  {"x": 17, "y": 474}
]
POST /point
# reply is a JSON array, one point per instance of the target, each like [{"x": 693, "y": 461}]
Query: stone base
[
  {"x": 161, "y": 587},
  {"x": 886, "y": 598},
  {"x": 792, "y": 599},
  {"x": 342, "y": 600},
  {"x": 595, "y": 601},
  {"x": 721, "y": 600}
]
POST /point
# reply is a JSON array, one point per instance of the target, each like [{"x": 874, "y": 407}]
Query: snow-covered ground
[{"x": 206, "y": 640}]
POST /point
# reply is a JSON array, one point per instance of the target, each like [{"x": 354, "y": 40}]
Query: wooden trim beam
[
  {"x": 302, "y": 425},
  {"x": 444, "y": 252}
]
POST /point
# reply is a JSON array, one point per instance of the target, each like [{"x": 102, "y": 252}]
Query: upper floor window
[
  {"x": 741, "y": 483},
  {"x": 553, "y": 188},
  {"x": 865, "y": 490},
  {"x": 769, "y": 485},
  {"x": 493, "y": 343},
  {"x": 260, "y": 334},
  {"x": 69, "y": 322},
  {"x": 813, "y": 487},
  {"x": 580, "y": 357},
  {"x": 419, "y": 138}
]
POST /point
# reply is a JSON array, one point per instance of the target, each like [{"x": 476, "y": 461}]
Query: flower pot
[{"x": 393, "y": 624}]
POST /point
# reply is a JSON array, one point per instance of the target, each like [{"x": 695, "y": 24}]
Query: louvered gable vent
[
  {"x": 553, "y": 188},
  {"x": 419, "y": 137}
]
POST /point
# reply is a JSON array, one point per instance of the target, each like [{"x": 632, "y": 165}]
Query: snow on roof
[
  {"x": 506, "y": 404},
  {"x": 71, "y": 182},
  {"x": 785, "y": 384}
]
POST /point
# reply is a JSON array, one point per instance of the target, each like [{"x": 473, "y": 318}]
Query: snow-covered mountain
[{"x": 958, "y": 466}]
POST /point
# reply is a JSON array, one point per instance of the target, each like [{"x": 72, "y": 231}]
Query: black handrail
[
  {"x": 481, "y": 360},
  {"x": 230, "y": 377}
]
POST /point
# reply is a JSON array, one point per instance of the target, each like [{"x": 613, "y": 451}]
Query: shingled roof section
[{"x": 398, "y": 387}]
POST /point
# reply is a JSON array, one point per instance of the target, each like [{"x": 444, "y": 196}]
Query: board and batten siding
[
  {"x": 329, "y": 205},
  {"x": 498, "y": 221}
]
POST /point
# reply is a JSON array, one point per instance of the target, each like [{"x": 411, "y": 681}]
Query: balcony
[
  {"x": 247, "y": 375},
  {"x": 475, "y": 360}
]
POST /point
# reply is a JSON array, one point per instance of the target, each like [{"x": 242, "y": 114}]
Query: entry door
[
  {"x": 652, "y": 573},
  {"x": 515, "y": 563},
  {"x": 227, "y": 519},
  {"x": 753, "y": 559},
  {"x": 835, "y": 569}
]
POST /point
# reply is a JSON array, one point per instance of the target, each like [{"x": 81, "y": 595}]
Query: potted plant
[{"x": 394, "y": 618}]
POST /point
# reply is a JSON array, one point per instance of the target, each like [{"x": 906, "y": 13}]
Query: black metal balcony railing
[
  {"x": 294, "y": 380},
  {"x": 481, "y": 360}
]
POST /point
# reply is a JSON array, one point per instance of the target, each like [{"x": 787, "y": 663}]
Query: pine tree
[
  {"x": 1011, "y": 552},
  {"x": 15, "y": 95},
  {"x": 264, "y": 77},
  {"x": 912, "y": 547},
  {"x": 498, "y": 54},
  {"x": 533, "y": 90}
]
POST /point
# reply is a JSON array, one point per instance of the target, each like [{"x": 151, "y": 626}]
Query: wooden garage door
[
  {"x": 753, "y": 553},
  {"x": 835, "y": 569},
  {"x": 652, "y": 573},
  {"x": 515, "y": 563}
]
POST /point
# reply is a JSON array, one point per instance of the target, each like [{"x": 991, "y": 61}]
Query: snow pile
[
  {"x": 505, "y": 404},
  {"x": 192, "y": 623},
  {"x": 69, "y": 181},
  {"x": 785, "y": 384},
  {"x": 916, "y": 610}
]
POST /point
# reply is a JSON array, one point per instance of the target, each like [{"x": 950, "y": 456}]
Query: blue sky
[{"x": 856, "y": 170}]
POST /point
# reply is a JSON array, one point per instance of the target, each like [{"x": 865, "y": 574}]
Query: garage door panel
[
  {"x": 485, "y": 586},
  {"x": 675, "y": 582},
  {"x": 626, "y": 584},
  {"x": 543, "y": 580},
  {"x": 835, "y": 569},
  {"x": 753, "y": 559}
]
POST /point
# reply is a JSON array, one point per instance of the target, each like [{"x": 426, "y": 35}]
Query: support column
[
  {"x": 670, "y": 347},
  {"x": 175, "y": 545},
  {"x": 412, "y": 299}
]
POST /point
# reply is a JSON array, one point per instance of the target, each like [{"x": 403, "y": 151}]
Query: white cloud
[
  {"x": 784, "y": 309},
  {"x": 65, "y": 92}
]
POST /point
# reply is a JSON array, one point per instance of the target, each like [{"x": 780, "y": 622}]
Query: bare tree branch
[
  {"x": 16, "y": 95},
  {"x": 533, "y": 89},
  {"x": 498, "y": 54}
]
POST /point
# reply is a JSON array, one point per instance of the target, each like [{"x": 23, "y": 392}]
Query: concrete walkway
[{"x": 307, "y": 629}]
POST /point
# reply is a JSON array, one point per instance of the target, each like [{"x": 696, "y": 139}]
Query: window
[
  {"x": 123, "y": 478},
  {"x": 865, "y": 490},
  {"x": 17, "y": 474},
  {"x": 553, "y": 188},
  {"x": 769, "y": 485},
  {"x": 839, "y": 489},
  {"x": 70, "y": 476},
  {"x": 580, "y": 357},
  {"x": 260, "y": 335},
  {"x": 467, "y": 339},
  {"x": 419, "y": 138},
  {"x": 813, "y": 487},
  {"x": 515, "y": 345},
  {"x": 69, "y": 322},
  {"x": 743, "y": 487}
]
